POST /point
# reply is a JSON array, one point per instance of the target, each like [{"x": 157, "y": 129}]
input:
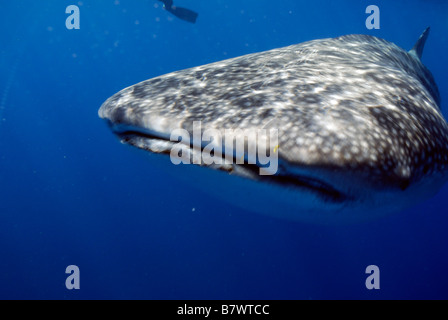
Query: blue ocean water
[{"x": 71, "y": 194}]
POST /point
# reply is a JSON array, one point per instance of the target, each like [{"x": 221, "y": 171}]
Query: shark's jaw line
[{"x": 306, "y": 183}]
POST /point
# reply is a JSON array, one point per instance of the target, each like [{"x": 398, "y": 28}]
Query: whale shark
[{"x": 360, "y": 129}]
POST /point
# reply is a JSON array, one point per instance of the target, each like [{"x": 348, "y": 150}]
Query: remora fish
[{"x": 360, "y": 127}]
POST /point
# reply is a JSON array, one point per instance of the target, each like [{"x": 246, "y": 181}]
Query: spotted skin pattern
[{"x": 354, "y": 109}]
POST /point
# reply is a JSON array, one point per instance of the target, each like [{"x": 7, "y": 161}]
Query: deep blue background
[{"x": 71, "y": 194}]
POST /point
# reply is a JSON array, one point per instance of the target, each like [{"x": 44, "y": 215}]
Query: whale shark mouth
[
  {"x": 153, "y": 142},
  {"x": 326, "y": 191}
]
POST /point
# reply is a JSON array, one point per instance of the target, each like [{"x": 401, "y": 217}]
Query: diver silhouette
[{"x": 181, "y": 13}]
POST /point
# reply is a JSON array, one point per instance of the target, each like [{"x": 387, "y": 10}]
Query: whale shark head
[{"x": 358, "y": 120}]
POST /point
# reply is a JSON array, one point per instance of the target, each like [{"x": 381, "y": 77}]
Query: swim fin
[{"x": 183, "y": 13}]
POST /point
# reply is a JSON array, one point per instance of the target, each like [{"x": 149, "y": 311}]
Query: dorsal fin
[{"x": 417, "y": 50}]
